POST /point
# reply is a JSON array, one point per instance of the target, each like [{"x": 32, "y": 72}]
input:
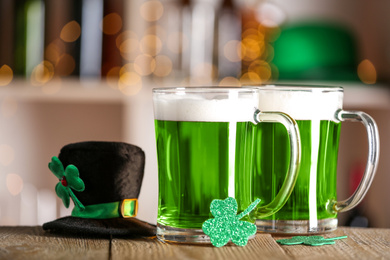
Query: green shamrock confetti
[
  {"x": 69, "y": 179},
  {"x": 227, "y": 225},
  {"x": 309, "y": 240}
]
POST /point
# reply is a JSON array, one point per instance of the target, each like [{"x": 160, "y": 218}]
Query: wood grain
[
  {"x": 261, "y": 247},
  {"x": 34, "y": 243}
]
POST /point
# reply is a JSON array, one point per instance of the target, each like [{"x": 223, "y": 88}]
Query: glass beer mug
[
  {"x": 206, "y": 143},
  {"x": 313, "y": 205}
]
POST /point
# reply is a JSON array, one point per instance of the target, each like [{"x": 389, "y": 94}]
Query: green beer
[
  {"x": 313, "y": 205},
  {"x": 315, "y": 188},
  {"x": 206, "y": 142},
  {"x": 196, "y": 139},
  {"x": 195, "y": 161}
]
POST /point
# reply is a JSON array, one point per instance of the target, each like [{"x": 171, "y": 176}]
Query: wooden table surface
[{"x": 34, "y": 243}]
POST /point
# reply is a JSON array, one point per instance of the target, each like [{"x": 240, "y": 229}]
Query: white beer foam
[
  {"x": 302, "y": 105},
  {"x": 299, "y": 104},
  {"x": 196, "y": 108}
]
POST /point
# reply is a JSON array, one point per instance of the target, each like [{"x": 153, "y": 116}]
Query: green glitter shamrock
[
  {"x": 227, "y": 225},
  {"x": 69, "y": 179},
  {"x": 309, "y": 240}
]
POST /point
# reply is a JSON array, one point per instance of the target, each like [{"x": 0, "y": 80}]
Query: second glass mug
[
  {"x": 312, "y": 206},
  {"x": 205, "y": 138}
]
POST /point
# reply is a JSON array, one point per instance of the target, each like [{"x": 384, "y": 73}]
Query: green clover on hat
[{"x": 69, "y": 179}]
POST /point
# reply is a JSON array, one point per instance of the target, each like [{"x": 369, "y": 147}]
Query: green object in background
[{"x": 315, "y": 51}]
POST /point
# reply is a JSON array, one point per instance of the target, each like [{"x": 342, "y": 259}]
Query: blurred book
[
  {"x": 112, "y": 26},
  {"x": 28, "y": 19},
  {"x": 91, "y": 39},
  {"x": 62, "y": 36},
  {"x": 7, "y": 32},
  {"x": 203, "y": 41},
  {"x": 229, "y": 37}
]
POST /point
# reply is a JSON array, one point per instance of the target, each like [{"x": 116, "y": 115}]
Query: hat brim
[{"x": 123, "y": 227}]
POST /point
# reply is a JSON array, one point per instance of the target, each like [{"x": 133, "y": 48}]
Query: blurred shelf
[
  {"x": 356, "y": 95},
  {"x": 69, "y": 90}
]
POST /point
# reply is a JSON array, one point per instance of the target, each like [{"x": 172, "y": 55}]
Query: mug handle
[
  {"x": 295, "y": 159},
  {"x": 372, "y": 159}
]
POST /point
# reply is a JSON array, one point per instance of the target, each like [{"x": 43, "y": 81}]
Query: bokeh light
[
  {"x": 128, "y": 47},
  {"x": 111, "y": 24},
  {"x": 70, "y": 32},
  {"x": 128, "y": 44},
  {"x": 144, "y": 64},
  {"x": 14, "y": 183},
  {"x": 151, "y": 10},
  {"x": 150, "y": 44},
  {"x": 130, "y": 83},
  {"x": 250, "y": 77},
  {"x": 253, "y": 33},
  {"x": 126, "y": 68},
  {"x": 251, "y": 48},
  {"x": 6, "y": 75},
  {"x": 65, "y": 65},
  {"x": 260, "y": 27},
  {"x": 124, "y": 36},
  {"x": 269, "y": 52},
  {"x": 42, "y": 73},
  {"x": 54, "y": 51},
  {"x": 270, "y": 15},
  {"x": 367, "y": 72},
  {"x": 229, "y": 82},
  {"x": 262, "y": 69},
  {"x": 163, "y": 66}
]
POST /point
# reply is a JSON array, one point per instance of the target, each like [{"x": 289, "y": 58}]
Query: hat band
[{"x": 126, "y": 208}]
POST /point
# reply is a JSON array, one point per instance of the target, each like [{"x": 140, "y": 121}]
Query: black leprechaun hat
[{"x": 103, "y": 179}]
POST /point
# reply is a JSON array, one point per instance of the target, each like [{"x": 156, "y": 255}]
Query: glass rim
[
  {"x": 298, "y": 87},
  {"x": 249, "y": 88},
  {"x": 204, "y": 89}
]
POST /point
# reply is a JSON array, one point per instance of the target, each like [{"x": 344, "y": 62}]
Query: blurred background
[{"x": 78, "y": 70}]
